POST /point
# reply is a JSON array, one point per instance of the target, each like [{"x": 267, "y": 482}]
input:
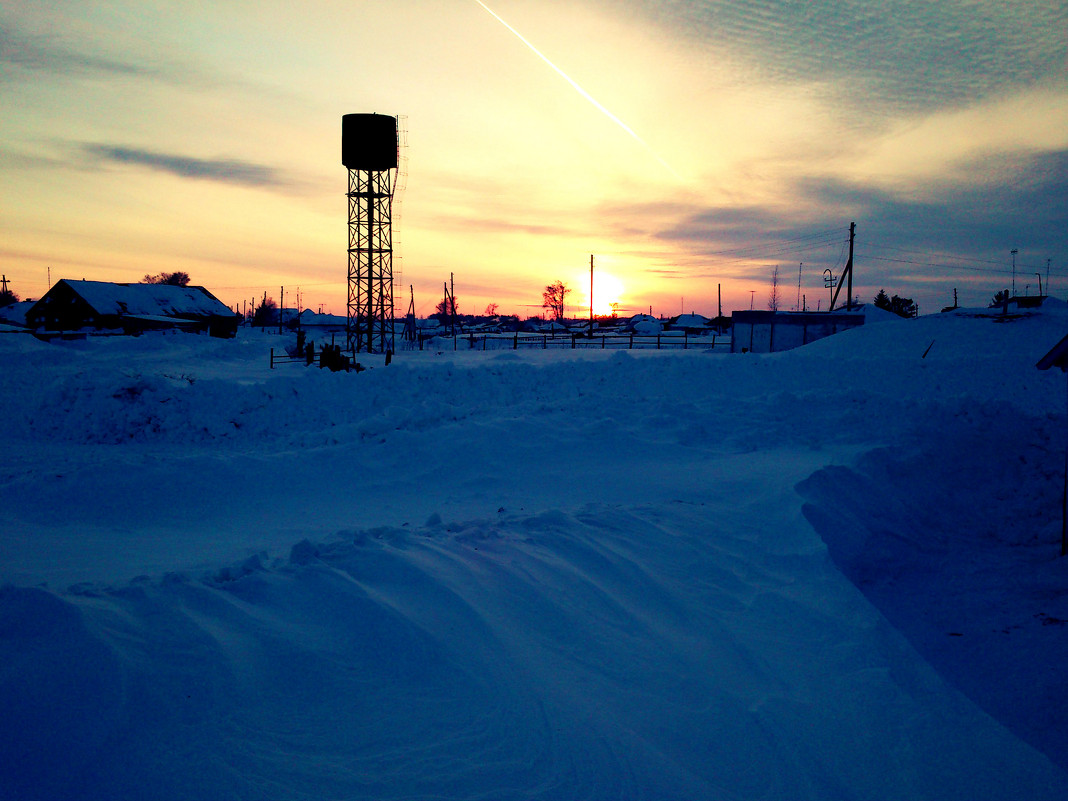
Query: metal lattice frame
[{"x": 370, "y": 310}]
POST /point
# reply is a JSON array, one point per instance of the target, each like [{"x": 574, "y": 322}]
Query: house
[
  {"x": 690, "y": 323},
  {"x": 322, "y": 324},
  {"x": 643, "y": 324},
  {"x": 133, "y": 308}
]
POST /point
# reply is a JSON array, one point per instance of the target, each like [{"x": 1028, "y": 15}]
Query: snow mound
[{"x": 824, "y": 573}]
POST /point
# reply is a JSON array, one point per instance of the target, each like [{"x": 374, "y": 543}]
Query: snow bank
[{"x": 535, "y": 574}]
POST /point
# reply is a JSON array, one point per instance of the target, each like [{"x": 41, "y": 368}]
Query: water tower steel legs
[{"x": 370, "y": 307}]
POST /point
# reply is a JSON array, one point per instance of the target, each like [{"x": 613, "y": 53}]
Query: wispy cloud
[
  {"x": 908, "y": 54},
  {"x": 26, "y": 57},
  {"x": 47, "y": 55},
  {"x": 231, "y": 171}
]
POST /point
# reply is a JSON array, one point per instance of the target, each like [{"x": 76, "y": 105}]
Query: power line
[
  {"x": 954, "y": 256},
  {"x": 831, "y": 235},
  {"x": 770, "y": 250},
  {"x": 936, "y": 264}
]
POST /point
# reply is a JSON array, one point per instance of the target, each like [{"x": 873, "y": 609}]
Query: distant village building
[
  {"x": 131, "y": 308},
  {"x": 322, "y": 324},
  {"x": 690, "y": 323},
  {"x": 643, "y": 324}
]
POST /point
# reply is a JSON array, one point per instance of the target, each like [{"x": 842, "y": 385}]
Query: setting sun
[{"x": 607, "y": 293}]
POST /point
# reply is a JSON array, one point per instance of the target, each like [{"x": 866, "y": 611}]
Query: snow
[
  {"x": 690, "y": 321},
  {"x": 825, "y": 573}
]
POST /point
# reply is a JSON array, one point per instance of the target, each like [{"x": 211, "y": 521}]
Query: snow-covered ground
[{"x": 830, "y": 573}]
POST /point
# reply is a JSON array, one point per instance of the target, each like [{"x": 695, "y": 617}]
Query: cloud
[
  {"x": 30, "y": 58},
  {"x": 919, "y": 245},
  {"x": 231, "y": 171},
  {"x": 1028, "y": 205},
  {"x": 905, "y": 54},
  {"x": 44, "y": 54}
]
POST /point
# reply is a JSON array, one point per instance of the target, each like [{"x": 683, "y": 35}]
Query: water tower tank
[{"x": 369, "y": 142}]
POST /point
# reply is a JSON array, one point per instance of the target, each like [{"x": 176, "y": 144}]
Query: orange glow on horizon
[{"x": 607, "y": 291}]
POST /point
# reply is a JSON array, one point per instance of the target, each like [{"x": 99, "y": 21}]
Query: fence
[
  {"x": 565, "y": 340},
  {"x": 333, "y": 357},
  {"x": 329, "y": 356}
]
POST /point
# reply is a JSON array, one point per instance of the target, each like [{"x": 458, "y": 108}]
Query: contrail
[{"x": 579, "y": 89}]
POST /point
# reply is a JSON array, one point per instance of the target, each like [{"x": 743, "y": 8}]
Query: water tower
[{"x": 369, "y": 149}]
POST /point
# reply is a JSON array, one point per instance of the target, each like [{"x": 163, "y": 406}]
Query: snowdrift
[{"x": 826, "y": 573}]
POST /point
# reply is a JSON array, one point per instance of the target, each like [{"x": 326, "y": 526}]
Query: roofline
[{"x": 1057, "y": 357}]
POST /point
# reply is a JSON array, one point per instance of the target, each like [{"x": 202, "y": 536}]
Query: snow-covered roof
[
  {"x": 690, "y": 321},
  {"x": 1057, "y": 357},
  {"x": 163, "y": 300},
  {"x": 15, "y": 313},
  {"x": 647, "y": 326},
  {"x": 308, "y": 317}
]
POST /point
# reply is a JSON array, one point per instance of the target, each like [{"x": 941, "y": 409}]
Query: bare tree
[
  {"x": 491, "y": 309},
  {"x": 553, "y": 299},
  {"x": 773, "y": 297}
]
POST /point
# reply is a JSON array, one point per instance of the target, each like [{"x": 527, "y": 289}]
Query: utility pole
[
  {"x": 849, "y": 288},
  {"x": 591, "y": 295},
  {"x": 797, "y": 305},
  {"x": 847, "y": 274},
  {"x": 3, "y": 285},
  {"x": 1014, "y": 251}
]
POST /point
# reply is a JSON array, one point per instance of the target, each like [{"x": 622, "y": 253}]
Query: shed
[
  {"x": 762, "y": 331},
  {"x": 133, "y": 308},
  {"x": 1058, "y": 357}
]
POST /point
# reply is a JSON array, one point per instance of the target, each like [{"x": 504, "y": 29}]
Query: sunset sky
[{"x": 683, "y": 144}]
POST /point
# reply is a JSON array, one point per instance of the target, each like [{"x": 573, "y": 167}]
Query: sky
[{"x": 689, "y": 147}]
